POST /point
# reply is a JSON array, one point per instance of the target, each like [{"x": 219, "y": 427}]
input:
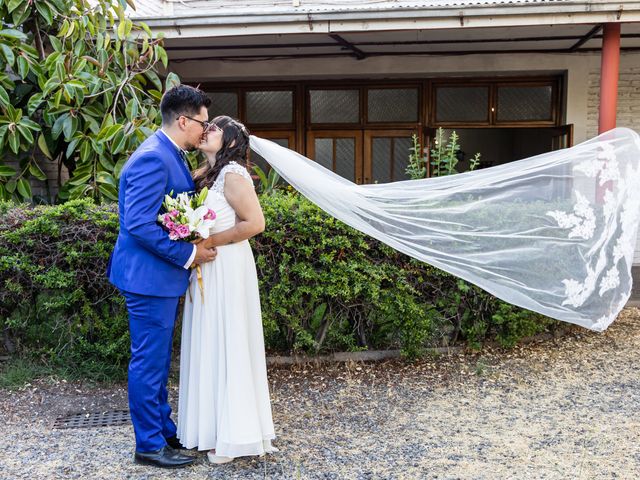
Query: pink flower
[
  {"x": 182, "y": 231},
  {"x": 174, "y": 213},
  {"x": 169, "y": 224},
  {"x": 166, "y": 218},
  {"x": 210, "y": 215},
  {"x": 173, "y": 235}
]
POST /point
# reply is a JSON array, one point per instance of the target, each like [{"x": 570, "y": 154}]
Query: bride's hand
[{"x": 213, "y": 241}]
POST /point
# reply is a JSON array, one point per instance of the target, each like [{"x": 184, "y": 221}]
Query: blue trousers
[{"x": 151, "y": 325}]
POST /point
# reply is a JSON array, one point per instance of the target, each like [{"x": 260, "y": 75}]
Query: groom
[{"x": 152, "y": 271}]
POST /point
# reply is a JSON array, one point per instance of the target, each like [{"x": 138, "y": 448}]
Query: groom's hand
[{"x": 204, "y": 254}]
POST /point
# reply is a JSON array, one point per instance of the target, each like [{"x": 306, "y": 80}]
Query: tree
[{"x": 80, "y": 88}]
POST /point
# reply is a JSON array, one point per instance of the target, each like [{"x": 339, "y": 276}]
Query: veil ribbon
[{"x": 554, "y": 233}]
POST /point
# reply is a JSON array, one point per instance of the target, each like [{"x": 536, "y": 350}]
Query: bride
[{"x": 224, "y": 404}]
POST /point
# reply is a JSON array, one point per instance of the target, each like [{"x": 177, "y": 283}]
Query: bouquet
[{"x": 187, "y": 218}]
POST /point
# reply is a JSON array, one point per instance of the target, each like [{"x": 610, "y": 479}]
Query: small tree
[
  {"x": 417, "y": 167},
  {"x": 443, "y": 158},
  {"x": 79, "y": 87}
]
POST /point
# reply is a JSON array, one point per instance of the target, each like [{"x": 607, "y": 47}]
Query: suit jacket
[{"x": 145, "y": 261}]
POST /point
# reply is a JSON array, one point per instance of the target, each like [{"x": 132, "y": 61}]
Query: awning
[{"x": 207, "y": 18}]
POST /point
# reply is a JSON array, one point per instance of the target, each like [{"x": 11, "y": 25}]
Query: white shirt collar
[{"x": 172, "y": 141}]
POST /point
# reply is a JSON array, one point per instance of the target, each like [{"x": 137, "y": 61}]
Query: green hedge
[
  {"x": 55, "y": 302},
  {"x": 324, "y": 287}
]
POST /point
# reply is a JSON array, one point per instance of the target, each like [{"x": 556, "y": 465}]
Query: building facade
[{"x": 348, "y": 83}]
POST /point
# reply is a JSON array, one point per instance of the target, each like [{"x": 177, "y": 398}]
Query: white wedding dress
[{"x": 224, "y": 393}]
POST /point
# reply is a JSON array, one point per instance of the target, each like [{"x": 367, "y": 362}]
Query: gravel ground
[{"x": 567, "y": 408}]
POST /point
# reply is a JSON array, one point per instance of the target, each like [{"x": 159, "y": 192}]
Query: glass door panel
[
  {"x": 338, "y": 151},
  {"x": 386, "y": 155}
]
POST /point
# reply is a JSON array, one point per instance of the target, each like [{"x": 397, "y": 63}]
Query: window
[
  {"x": 525, "y": 103},
  {"x": 463, "y": 104},
  {"x": 392, "y": 105},
  {"x": 223, "y": 103},
  {"x": 269, "y": 107},
  {"x": 334, "y": 106}
]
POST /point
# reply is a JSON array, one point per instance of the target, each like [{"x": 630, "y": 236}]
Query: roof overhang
[
  {"x": 567, "y": 39},
  {"x": 199, "y": 18}
]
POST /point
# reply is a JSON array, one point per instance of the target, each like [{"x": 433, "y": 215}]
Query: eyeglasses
[{"x": 206, "y": 126}]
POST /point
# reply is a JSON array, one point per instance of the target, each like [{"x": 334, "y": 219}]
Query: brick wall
[
  {"x": 49, "y": 189},
  {"x": 628, "y": 113},
  {"x": 628, "y": 100}
]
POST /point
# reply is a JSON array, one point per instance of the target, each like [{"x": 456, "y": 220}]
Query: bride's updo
[{"x": 235, "y": 148}]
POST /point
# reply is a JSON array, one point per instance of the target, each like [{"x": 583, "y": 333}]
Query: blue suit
[{"x": 148, "y": 268}]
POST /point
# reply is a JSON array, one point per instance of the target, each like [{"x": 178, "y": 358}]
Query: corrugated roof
[
  {"x": 328, "y": 6},
  {"x": 194, "y": 18},
  {"x": 158, "y": 8}
]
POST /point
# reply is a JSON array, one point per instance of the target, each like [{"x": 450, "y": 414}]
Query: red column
[{"x": 609, "y": 68}]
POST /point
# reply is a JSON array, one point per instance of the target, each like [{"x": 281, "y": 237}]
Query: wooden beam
[
  {"x": 355, "y": 51},
  {"x": 276, "y": 56},
  {"x": 592, "y": 33}
]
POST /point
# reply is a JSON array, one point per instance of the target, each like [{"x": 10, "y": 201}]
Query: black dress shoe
[
  {"x": 166, "y": 457},
  {"x": 174, "y": 443}
]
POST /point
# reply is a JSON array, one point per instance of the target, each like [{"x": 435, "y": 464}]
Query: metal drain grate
[{"x": 93, "y": 419}]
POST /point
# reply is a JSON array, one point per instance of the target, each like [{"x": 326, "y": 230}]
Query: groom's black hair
[{"x": 182, "y": 100}]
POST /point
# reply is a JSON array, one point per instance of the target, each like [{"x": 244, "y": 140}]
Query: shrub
[
  {"x": 324, "y": 287},
  {"x": 55, "y": 301}
]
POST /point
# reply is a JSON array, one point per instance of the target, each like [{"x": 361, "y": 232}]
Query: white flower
[{"x": 197, "y": 222}]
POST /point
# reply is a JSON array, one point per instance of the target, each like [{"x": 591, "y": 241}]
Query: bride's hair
[{"x": 235, "y": 148}]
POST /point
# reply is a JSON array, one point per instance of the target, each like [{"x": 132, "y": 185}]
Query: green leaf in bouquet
[{"x": 202, "y": 196}]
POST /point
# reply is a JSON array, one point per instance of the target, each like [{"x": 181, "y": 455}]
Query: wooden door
[
  {"x": 562, "y": 137},
  {"x": 338, "y": 150},
  {"x": 386, "y": 155}
]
